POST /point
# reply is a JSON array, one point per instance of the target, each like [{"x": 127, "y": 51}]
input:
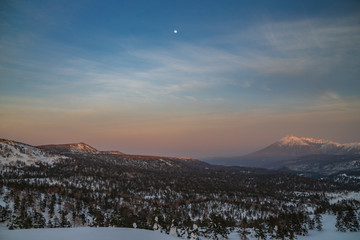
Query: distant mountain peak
[
  {"x": 291, "y": 140},
  {"x": 83, "y": 147},
  {"x": 298, "y": 146},
  {"x": 71, "y": 147}
]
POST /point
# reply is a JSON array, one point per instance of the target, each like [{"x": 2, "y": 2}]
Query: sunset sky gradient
[{"x": 237, "y": 76}]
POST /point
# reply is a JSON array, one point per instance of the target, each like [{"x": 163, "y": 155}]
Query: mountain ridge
[
  {"x": 12, "y": 152},
  {"x": 70, "y": 147}
]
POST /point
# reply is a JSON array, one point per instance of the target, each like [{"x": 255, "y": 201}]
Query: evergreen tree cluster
[
  {"x": 347, "y": 216},
  {"x": 189, "y": 201}
]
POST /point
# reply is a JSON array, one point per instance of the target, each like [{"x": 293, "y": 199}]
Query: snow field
[
  {"x": 83, "y": 233},
  {"x": 86, "y": 233}
]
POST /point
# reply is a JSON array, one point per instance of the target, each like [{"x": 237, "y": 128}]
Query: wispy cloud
[{"x": 297, "y": 57}]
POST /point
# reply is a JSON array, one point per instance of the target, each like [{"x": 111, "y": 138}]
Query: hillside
[{"x": 12, "y": 152}]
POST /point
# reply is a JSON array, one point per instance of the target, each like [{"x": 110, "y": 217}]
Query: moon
[{"x": 175, "y": 31}]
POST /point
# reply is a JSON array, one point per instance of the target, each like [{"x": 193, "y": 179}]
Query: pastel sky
[{"x": 237, "y": 76}]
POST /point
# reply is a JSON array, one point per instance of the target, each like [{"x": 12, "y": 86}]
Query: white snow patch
[
  {"x": 84, "y": 233},
  {"x": 11, "y": 152}
]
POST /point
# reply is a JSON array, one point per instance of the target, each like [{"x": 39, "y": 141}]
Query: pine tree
[
  {"x": 311, "y": 223},
  {"x": 217, "y": 226},
  {"x": 49, "y": 224},
  {"x": 64, "y": 222},
  {"x": 318, "y": 221},
  {"x": 351, "y": 221},
  {"x": 243, "y": 233},
  {"x": 56, "y": 222},
  {"x": 259, "y": 230},
  {"x": 52, "y": 205},
  {"x": 340, "y": 225}
]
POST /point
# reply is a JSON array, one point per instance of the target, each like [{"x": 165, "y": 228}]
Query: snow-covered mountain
[
  {"x": 302, "y": 154},
  {"x": 11, "y": 152},
  {"x": 300, "y": 146}
]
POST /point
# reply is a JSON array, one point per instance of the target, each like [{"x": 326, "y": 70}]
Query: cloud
[
  {"x": 337, "y": 34},
  {"x": 331, "y": 96},
  {"x": 252, "y": 68}
]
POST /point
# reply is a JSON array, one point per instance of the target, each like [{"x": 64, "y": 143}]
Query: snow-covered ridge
[
  {"x": 83, "y": 148},
  {"x": 324, "y": 146},
  {"x": 11, "y": 152},
  {"x": 72, "y": 147},
  {"x": 293, "y": 140}
]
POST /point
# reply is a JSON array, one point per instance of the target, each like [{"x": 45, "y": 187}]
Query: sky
[{"x": 236, "y": 77}]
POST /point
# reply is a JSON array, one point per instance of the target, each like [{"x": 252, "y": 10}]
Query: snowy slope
[
  {"x": 85, "y": 233},
  {"x": 11, "y": 152}
]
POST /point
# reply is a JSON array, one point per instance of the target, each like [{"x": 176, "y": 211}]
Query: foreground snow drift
[{"x": 85, "y": 233}]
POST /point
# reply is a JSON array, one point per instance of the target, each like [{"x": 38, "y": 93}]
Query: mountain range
[{"x": 299, "y": 155}]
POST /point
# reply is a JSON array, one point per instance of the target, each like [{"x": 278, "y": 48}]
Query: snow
[
  {"x": 82, "y": 147},
  {"x": 292, "y": 140},
  {"x": 84, "y": 233},
  {"x": 329, "y": 231},
  {"x": 325, "y": 146},
  {"x": 11, "y": 152}
]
